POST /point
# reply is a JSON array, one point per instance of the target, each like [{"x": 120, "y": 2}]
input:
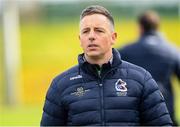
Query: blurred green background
[{"x": 49, "y": 45}]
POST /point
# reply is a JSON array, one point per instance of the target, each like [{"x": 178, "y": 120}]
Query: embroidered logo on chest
[
  {"x": 80, "y": 92},
  {"x": 121, "y": 89}
]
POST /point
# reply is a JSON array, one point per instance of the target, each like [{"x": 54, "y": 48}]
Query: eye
[
  {"x": 84, "y": 31},
  {"x": 99, "y": 31}
]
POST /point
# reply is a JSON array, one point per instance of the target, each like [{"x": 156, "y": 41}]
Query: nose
[{"x": 91, "y": 36}]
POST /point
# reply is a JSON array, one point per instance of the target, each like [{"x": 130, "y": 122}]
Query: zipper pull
[{"x": 99, "y": 71}]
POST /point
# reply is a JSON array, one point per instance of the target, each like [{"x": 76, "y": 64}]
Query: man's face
[{"x": 96, "y": 35}]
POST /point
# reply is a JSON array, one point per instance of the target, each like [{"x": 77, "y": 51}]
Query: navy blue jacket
[
  {"x": 122, "y": 94},
  {"x": 153, "y": 53}
]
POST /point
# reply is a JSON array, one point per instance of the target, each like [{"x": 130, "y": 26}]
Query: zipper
[
  {"x": 101, "y": 95},
  {"x": 100, "y": 84},
  {"x": 102, "y": 103}
]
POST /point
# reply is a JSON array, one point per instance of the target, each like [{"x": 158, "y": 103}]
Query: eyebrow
[
  {"x": 96, "y": 28},
  {"x": 99, "y": 28},
  {"x": 85, "y": 28}
]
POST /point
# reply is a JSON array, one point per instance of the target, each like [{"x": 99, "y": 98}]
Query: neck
[{"x": 100, "y": 60}]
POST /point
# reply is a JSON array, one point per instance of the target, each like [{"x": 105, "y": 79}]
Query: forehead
[{"x": 97, "y": 20}]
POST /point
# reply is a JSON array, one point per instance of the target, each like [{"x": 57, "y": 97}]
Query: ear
[
  {"x": 114, "y": 37},
  {"x": 80, "y": 40}
]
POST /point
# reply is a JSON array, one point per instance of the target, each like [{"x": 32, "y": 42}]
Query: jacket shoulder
[
  {"x": 67, "y": 73},
  {"x": 135, "y": 72},
  {"x": 61, "y": 81}
]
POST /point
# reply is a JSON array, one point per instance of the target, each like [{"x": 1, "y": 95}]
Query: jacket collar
[{"x": 84, "y": 65}]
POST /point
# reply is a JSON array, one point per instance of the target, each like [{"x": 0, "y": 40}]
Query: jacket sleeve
[
  {"x": 54, "y": 113},
  {"x": 153, "y": 107}
]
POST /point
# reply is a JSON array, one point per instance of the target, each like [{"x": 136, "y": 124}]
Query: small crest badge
[{"x": 121, "y": 88}]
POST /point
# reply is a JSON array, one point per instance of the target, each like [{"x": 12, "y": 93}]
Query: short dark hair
[
  {"x": 96, "y": 9},
  {"x": 149, "y": 21}
]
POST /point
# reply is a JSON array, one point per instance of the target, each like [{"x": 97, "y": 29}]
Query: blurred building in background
[{"x": 39, "y": 40}]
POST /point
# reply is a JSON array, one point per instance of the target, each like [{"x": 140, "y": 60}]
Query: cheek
[
  {"x": 83, "y": 43},
  {"x": 81, "y": 40},
  {"x": 107, "y": 41}
]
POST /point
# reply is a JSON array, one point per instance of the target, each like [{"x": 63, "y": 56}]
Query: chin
[{"x": 93, "y": 54}]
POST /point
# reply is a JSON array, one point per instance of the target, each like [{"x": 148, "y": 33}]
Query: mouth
[{"x": 92, "y": 46}]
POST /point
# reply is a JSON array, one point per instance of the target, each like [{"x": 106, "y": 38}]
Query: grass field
[
  {"x": 20, "y": 115},
  {"x": 49, "y": 49}
]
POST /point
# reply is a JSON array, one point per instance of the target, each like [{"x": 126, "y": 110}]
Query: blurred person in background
[
  {"x": 102, "y": 89},
  {"x": 156, "y": 55}
]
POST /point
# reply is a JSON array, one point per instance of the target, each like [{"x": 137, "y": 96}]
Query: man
[
  {"x": 102, "y": 89},
  {"x": 153, "y": 53}
]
